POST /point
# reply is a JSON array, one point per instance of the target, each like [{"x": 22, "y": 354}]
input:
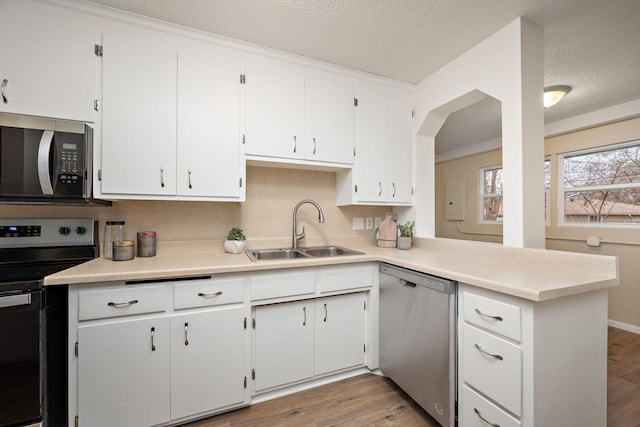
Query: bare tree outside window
[
  {"x": 602, "y": 186},
  {"x": 492, "y": 194}
]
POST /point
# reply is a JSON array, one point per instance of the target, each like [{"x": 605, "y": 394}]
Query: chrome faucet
[{"x": 297, "y": 237}]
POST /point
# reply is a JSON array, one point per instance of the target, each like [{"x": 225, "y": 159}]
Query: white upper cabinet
[
  {"x": 274, "y": 108},
  {"x": 47, "y": 64},
  {"x": 296, "y": 113},
  {"x": 383, "y": 170},
  {"x": 399, "y": 147},
  {"x": 139, "y": 114},
  {"x": 170, "y": 119},
  {"x": 328, "y": 118},
  {"x": 209, "y": 159}
]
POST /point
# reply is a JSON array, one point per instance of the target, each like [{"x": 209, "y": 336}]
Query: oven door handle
[
  {"x": 15, "y": 300},
  {"x": 43, "y": 162}
]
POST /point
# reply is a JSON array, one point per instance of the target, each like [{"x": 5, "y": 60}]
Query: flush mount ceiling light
[{"x": 553, "y": 94}]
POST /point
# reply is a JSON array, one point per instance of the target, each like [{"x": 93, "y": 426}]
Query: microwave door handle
[{"x": 43, "y": 162}]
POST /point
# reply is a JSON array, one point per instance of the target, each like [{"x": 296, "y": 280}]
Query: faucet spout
[{"x": 297, "y": 237}]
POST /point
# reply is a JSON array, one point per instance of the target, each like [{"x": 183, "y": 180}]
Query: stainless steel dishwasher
[{"x": 418, "y": 338}]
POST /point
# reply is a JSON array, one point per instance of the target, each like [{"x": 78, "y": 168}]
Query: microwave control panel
[{"x": 69, "y": 164}]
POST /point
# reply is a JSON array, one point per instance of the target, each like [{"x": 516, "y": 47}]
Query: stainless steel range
[{"x": 33, "y": 319}]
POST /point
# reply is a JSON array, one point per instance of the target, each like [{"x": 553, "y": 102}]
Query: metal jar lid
[{"x": 123, "y": 243}]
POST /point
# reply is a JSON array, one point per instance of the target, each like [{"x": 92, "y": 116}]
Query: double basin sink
[{"x": 311, "y": 252}]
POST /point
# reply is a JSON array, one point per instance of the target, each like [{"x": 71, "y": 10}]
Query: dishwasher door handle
[{"x": 407, "y": 283}]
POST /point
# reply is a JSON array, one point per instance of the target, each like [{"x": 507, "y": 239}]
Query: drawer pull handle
[
  {"x": 325, "y": 312},
  {"x": 186, "y": 334},
  {"x": 5, "y": 82},
  {"x": 496, "y": 356},
  {"x": 153, "y": 332},
  {"x": 122, "y": 304},
  {"x": 498, "y": 318},
  {"x": 304, "y": 311},
  {"x": 484, "y": 419},
  {"x": 211, "y": 295},
  {"x": 408, "y": 284}
]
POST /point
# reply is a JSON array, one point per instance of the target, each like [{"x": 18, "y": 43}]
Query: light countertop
[{"x": 532, "y": 274}]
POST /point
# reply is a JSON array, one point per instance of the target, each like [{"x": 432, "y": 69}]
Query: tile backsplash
[{"x": 272, "y": 194}]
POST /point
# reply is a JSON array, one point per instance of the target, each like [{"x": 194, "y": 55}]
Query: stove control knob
[
  {"x": 64, "y": 230},
  {"x": 81, "y": 230}
]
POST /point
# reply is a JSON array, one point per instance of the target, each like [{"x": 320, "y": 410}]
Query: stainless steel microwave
[{"x": 45, "y": 161}]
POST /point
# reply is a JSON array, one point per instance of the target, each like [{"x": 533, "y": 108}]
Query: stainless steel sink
[
  {"x": 328, "y": 251},
  {"x": 311, "y": 252}
]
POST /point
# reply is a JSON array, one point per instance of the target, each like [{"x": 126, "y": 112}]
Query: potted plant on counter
[
  {"x": 406, "y": 234},
  {"x": 236, "y": 241}
]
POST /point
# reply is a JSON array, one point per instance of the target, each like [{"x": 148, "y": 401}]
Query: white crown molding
[
  {"x": 616, "y": 113},
  {"x": 470, "y": 150}
]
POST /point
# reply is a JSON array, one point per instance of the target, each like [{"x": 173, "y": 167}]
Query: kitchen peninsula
[{"x": 554, "y": 306}]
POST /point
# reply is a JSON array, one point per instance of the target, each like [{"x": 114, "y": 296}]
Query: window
[
  {"x": 491, "y": 189},
  {"x": 602, "y": 186}
]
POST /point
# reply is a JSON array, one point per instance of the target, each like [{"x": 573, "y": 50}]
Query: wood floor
[{"x": 370, "y": 400}]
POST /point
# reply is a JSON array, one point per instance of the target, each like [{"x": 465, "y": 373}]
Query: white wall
[{"x": 509, "y": 67}]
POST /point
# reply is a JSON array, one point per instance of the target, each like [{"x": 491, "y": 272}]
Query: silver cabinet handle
[
  {"x": 304, "y": 311},
  {"x": 5, "y": 82},
  {"x": 189, "y": 172},
  {"x": 211, "y": 295},
  {"x": 153, "y": 332},
  {"x": 498, "y": 318},
  {"x": 186, "y": 333},
  {"x": 325, "y": 312},
  {"x": 379, "y": 188},
  {"x": 314, "y": 146},
  {"x": 122, "y": 304},
  {"x": 484, "y": 419},
  {"x": 161, "y": 177},
  {"x": 394, "y": 189},
  {"x": 44, "y": 148},
  {"x": 295, "y": 144},
  {"x": 495, "y": 356}
]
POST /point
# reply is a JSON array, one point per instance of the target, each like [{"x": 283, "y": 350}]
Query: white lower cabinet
[
  {"x": 339, "y": 332},
  {"x": 207, "y": 361},
  {"x": 283, "y": 344},
  {"x": 123, "y": 373},
  {"x": 298, "y": 340}
]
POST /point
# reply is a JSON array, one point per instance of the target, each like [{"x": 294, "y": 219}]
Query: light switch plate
[{"x": 358, "y": 224}]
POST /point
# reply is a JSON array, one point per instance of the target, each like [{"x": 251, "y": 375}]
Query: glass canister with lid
[{"x": 113, "y": 232}]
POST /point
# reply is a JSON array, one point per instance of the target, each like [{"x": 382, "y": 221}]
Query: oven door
[{"x": 21, "y": 350}]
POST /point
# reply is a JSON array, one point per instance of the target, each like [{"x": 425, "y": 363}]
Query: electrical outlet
[
  {"x": 376, "y": 221},
  {"x": 368, "y": 223},
  {"x": 358, "y": 224}
]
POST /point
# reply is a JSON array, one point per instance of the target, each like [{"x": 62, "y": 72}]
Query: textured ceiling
[{"x": 591, "y": 45}]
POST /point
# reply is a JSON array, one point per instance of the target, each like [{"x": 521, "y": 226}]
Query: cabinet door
[
  {"x": 328, "y": 119},
  {"x": 274, "y": 111},
  {"x": 371, "y": 145},
  {"x": 138, "y": 114},
  {"x": 208, "y": 124},
  {"x": 123, "y": 373},
  {"x": 207, "y": 361},
  {"x": 48, "y": 64},
  {"x": 399, "y": 148},
  {"x": 340, "y": 332},
  {"x": 283, "y": 344}
]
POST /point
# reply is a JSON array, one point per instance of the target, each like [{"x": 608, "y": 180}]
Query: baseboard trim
[{"x": 624, "y": 326}]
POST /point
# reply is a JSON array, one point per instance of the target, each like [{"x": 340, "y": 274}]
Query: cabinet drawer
[
  {"x": 496, "y": 316},
  {"x": 99, "y": 304},
  {"x": 345, "y": 277},
  {"x": 204, "y": 293},
  {"x": 277, "y": 285},
  {"x": 479, "y": 412},
  {"x": 493, "y": 366}
]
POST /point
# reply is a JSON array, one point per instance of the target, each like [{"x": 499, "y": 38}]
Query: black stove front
[{"x": 33, "y": 318}]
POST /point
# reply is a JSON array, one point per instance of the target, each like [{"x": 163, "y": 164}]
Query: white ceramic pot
[
  {"x": 235, "y": 246},
  {"x": 404, "y": 242}
]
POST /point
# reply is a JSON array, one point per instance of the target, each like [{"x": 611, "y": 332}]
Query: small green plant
[
  {"x": 406, "y": 229},
  {"x": 236, "y": 234}
]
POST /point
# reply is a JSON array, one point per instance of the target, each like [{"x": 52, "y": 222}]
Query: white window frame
[
  {"x": 482, "y": 195},
  {"x": 562, "y": 190}
]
